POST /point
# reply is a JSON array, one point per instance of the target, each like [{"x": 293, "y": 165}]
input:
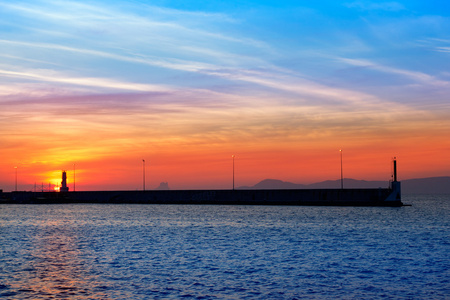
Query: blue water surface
[{"x": 106, "y": 251}]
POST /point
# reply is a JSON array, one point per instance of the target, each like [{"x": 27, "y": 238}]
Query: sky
[{"x": 96, "y": 87}]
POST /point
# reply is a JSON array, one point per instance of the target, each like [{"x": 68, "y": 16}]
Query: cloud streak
[{"x": 412, "y": 75}]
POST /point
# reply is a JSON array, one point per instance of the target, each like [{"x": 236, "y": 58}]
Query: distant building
[
  {"x": 163, "y": 186},
  {"x": 64, "y": 187}
]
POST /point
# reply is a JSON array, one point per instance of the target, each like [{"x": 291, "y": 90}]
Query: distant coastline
[{"x": 430, "y": 185}]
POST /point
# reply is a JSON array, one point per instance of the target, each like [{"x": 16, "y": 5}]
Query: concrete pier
[{"x": 330, "y": 197}]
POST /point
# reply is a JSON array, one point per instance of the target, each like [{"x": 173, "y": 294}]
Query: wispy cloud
[
  {"x": 274, "y": 78},
  {"x": 175, "y": 64},
  {"x": 54, "y": 76},
  {"x": 158, "y": 23},
  {"x": 412, "y": 75},
  {"x": 443, "y": 49}
]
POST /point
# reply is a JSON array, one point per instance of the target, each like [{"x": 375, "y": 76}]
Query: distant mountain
[
  {"x": 329, "y": 184},
  {"x": 348, "y": 183},
  {"x": 277, "y": 184},
  {"x": 432, "y": 185}
]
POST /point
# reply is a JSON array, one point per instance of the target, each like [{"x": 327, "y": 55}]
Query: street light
[
  {"x": 74, "y": 177},
  {"x": 233, "y": 170},
  {"x": 342, "y": 174},
  {"x": 16, "y": 179},
  {"x": 143, "y": 174}
]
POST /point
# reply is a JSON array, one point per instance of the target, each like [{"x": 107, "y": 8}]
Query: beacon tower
[{"x": 64, "y": 187}]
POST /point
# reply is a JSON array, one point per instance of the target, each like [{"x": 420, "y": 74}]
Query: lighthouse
[{"x": 64, "y": 187}]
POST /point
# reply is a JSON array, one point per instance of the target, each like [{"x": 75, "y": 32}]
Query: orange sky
[{"x": 114, "y": 161}]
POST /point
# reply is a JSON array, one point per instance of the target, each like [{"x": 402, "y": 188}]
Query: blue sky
[
  {"x": 247, "y": 74},
  {"x": 340, "y": 43}
]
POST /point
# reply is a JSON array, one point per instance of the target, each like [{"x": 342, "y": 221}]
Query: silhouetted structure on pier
[{"x": 64, "y": 187}]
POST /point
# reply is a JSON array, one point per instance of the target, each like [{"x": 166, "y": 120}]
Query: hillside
[{"x": 431, "y": 185}]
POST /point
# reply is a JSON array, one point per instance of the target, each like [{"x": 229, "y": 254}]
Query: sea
[{"x": 133, "y": 251}]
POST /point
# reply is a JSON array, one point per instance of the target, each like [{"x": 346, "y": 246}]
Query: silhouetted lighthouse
[{"x": 64, "y": 187}]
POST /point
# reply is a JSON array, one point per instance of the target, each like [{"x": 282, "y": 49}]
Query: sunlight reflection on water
[{"x": 209, "y": 252}]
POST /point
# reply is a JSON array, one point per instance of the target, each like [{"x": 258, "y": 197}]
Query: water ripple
[{"x": 231, "y": 252}]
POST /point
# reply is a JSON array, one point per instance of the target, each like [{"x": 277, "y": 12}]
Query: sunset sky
[{"x": 184, "y": 85}]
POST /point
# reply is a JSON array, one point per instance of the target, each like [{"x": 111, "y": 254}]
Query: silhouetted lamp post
[
  {"x": 233, "y": 170},
  {"x": 342, "y": 174},
  {"x": 74, "y": 177},
  {"x": 143, "y": 174},
  {"x": 16, "y": 180}
]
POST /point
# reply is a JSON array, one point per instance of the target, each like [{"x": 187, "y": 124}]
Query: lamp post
[
  {"x": 16, "y": 180},
  {"x": 143, "y": 174},
  {"x": 74, "y": 177},
  {"x": 233, "y": 170},
  {"x": 342, "y": 174}
]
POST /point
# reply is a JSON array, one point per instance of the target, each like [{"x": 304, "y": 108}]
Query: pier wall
[{"x": 331, "y": 197}]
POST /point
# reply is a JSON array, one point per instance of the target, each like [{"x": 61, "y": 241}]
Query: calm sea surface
[{"x": 226, "y": 252}]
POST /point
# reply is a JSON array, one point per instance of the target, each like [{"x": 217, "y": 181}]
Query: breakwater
[{"x": 330, "y": 197}]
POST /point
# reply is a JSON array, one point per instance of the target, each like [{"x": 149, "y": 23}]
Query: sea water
[{"x": 106, "y": 251}]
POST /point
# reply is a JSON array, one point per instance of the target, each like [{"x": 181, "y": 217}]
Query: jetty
[{"x": 390, "y": 196}]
